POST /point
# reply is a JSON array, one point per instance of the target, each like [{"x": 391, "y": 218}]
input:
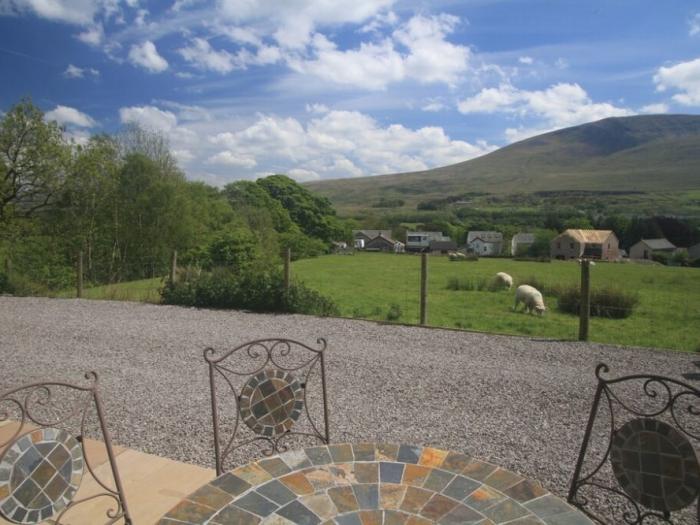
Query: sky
[{"x": 322, "y": 89}]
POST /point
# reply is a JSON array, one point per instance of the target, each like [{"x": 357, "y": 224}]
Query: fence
[{"x": 630, "y": 304}]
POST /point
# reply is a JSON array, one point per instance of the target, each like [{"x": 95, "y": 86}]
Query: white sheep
[
  {"x": 530, "y": 297},
  {"x": 504, "y": 280}
]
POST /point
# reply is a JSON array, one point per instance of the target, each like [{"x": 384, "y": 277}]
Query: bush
[
  {"x": 394, "y": 312},
  {"x": 260, "y": 290},
  {"x": 5, "y": 283},
  {"x": 609, "y": 302},
  {"x": 660, "y": 257}
]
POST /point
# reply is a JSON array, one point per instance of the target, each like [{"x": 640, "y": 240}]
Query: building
[
  {"x": 382, "y": 243},
  {"x": 420, "y": 241},
  {"x": 645, "y": 248},
  {"x": 362, "y": 237},
  {"x": 589, "y": 244},
  {"x": 521, "y": 242},
  {"x": 442, "y": 247},
  {"x": 485, "y": 243},
  {"x": 694, "y": 252}
]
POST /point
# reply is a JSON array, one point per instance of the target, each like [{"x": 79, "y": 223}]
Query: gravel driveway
[{"x": 519, "y": 402}]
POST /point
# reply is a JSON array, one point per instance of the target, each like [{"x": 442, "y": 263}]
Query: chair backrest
[
  {"x": 43, "y": 461},
  {"x": 638, "y": 461},
  {"x": 268, "y": 385}
]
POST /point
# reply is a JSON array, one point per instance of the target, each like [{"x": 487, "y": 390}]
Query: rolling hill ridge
[{"x": 650, "y": 153}]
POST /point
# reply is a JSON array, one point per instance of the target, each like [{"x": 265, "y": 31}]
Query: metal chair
[
  {"x": 639, "y": 452},
  {"x": 42, "y": 464},
  {"x": 268, "y": 385}
]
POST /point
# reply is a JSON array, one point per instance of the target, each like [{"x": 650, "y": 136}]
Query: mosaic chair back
[
  {"x": 42, "y": 463},
  {"x": 265, "y": 392},
  {"x": 638, "y": 462}
]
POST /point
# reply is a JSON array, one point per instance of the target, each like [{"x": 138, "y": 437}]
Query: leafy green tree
[{"x": 33, "y": 161}]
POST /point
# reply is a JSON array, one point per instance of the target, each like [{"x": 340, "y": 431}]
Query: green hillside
[{"x": 652, "y": 153}]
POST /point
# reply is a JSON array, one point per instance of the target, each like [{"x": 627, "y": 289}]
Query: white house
[
  {"x": 521, "y": 241},
  {"x": 645, "y": 248},
  {"x": 485, "y": 243},
  {"x": 420, "y": 241}
]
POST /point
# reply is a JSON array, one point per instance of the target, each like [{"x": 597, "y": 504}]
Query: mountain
[{"x": 647, "y": 153}]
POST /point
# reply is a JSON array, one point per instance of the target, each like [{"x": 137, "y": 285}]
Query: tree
[
  {"x": 134, "y": 139},
  {"x": 33, "y": 160}
]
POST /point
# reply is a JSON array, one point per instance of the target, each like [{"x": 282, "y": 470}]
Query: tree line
[{"x": 122, "y": 200}]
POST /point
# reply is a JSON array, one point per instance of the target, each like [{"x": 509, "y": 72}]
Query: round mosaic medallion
[
  {"x": 39, "y": 475},
  {"x": 655, "y": 465},
  {"x": 271, "y": 402}
]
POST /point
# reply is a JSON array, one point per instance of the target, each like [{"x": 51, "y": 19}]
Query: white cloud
[
  {"x": 559, "y": 106},
  {"x": 93, "y": 35},
  {"x": 302, "y": 175},
  {"x": 694, "y": 24},
  {"x": 79, "y": 72},
  {"x": 655, "y": 108},
  {"x": 683, "y": 77},
  {"x": 525, "y": 60},
  {"x": 434, "y": 106},
  {"x": 292, "y": 22},
  {"x": 68, "y": 116},
  {"x": 201, "y": 55},
  {"x": 417, "y": 50},
  {"x": 146, "y": 56},
  {"x": 227, "y": 158},
  {"x": 318, "y": 109},
  {"x": 149, "y": 117},
  {"x": 341, "y": 143},
  {"x": 71, "y": 11}
]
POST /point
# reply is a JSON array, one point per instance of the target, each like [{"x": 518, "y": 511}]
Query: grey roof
[
  {"x": 659, "y": 244},
  {"x": 524, "y": 238},
  {"x": 484, "y": 236},
  {"x": 371, "y": 234}
]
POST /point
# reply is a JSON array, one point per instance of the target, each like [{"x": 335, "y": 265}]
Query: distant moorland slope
[{"x": 643, "y": 153}]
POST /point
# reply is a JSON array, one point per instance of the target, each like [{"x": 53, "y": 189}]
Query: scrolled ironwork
[
  {"x": 666, "y": 397},
  {"x": 285, "y": 355},
  {"x": 30, "y": 400}
]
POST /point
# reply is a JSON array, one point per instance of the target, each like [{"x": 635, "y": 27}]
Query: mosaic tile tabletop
[
  {"x": 39, "y": 475},
  {"x": 372, "y": 484}
]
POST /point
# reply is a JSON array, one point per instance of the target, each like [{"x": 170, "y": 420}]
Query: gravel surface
[{"x": 519, "y": 402}]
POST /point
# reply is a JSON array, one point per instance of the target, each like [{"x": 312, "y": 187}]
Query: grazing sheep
[
  {"x": 504, "y": 280},
  {"x": 530, "y": 297},
  {"x": 456, "y": 256}
]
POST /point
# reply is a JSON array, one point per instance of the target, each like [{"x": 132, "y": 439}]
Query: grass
[
  {"x": 145, "y": 291},
  {"x": 370, "y": 284}
]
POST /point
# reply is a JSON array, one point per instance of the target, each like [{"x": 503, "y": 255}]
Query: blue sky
[{"x": 325, "y": 88}]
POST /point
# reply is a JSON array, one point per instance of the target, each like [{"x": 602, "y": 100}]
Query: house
[
  {"x": 485, "y": 243},
  {"x": 382, "y": 243},
  {"x": 362, "y": 237},
  {"x": 645, "y": 248},
  {"x": 591, "y": 244},
  {"x": 694, "y": 252},
  {"x": 521, "y": 242},
  {"x": 442, "y": 247},
  {"x": 420, "y": 241}
]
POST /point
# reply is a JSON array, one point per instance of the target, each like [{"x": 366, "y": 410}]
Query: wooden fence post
[
  {"x": 424, "y": 288},
  {"x": 585, "y": 308},
  {"x": 287, "y": 268},
  {"x": 173, "y": 267},
  {"x": 79, "y": 280}
]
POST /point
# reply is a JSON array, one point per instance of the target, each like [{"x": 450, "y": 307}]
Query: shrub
[
  {"x": 609, "y": 302},
  {"x": 4, "y": 284},
  {"x": 394, "y": 312},
  {"x": 660, "y": 257},
  {"x": 259, "y": 290}
]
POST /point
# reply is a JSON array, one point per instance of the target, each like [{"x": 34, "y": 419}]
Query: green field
[
  {"x": 145, "y": 291},
  {"x": 366, "y": 285}
]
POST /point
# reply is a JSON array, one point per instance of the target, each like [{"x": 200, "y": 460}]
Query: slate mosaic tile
[
  {"x": 438, "y": 480},
  {"x": 391, "y": 472},
  {"x": 191, "y": 512},
  {"x": 409, "y": 454},
  {"x": 547, "y": 506},
  {"x": 366, "y": 472},
  {"x": 295, "y": 459},
  {"x": 341, "y": 453},
  {"x": 375, "y": 484},
  {"x": 231, "y": 484},
  {"x": 275, "y": 491},
  {"x": 367, "y": 495},
  {"x": 297, "y": 513},
  {"x": 501, "y": 479}
]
